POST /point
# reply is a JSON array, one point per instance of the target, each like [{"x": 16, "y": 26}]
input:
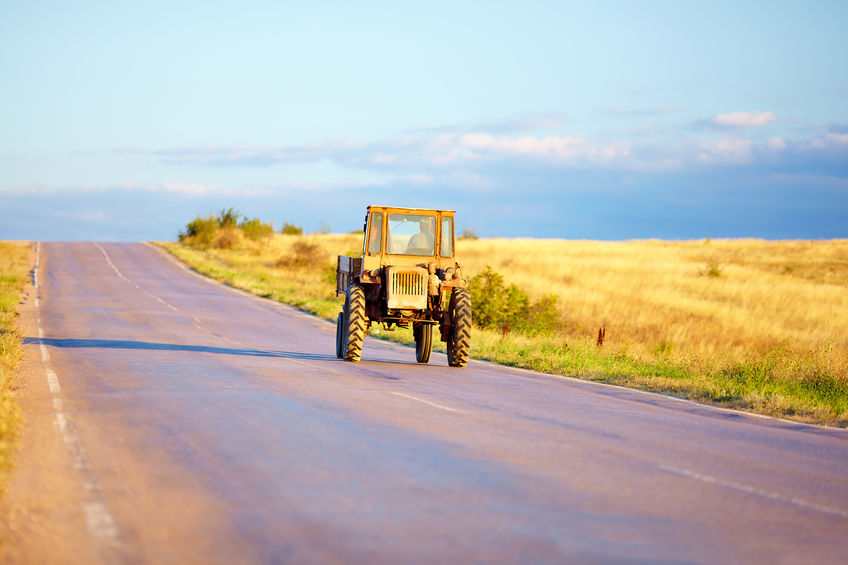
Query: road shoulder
[{"x": 44, "y": 499}]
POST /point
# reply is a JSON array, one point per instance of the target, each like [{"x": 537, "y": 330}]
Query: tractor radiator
[{"x": 407, "y": 289}]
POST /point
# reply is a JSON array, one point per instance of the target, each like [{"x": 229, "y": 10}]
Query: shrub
[
  {"x": 508, "y": 307},
  {"x": 228, "y": 218},
  {"x": 229, "y": 238},
  {"x": 468, "y": 233},
  {"x": 303, "y": 253},
  {"x": 291, "y": 229},
  {"x": 712, "y": 270},
  {"x": 544, "y": 316},
  {"x": 200, "y": 231},
  {"x": 256, "y": 229}
]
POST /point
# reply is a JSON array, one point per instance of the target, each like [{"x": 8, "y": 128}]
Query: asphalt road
[{"x": 173, "y": 420}]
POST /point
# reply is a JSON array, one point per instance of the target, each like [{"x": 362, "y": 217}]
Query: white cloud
[
  {"x": 838, "y": 138},
  {"x": 557, "y": 148},
  {"x": 383, "y": 159},
  {"x": 527, "y": 122},
  {"x": 483, "y": 156},
  {"x": 642, "y": 112},
  {"x": 828, "y": 142},
  {"x": 726, "y": 150},
  {"x": 776, "y": 144},
  {"x": 745, "y": 119},
  {"x": 182, "y": 188}
]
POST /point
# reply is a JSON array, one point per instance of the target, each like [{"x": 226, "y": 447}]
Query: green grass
[
  {"x": 778, "y": 383},
  {"x": 13, "y": 276}
]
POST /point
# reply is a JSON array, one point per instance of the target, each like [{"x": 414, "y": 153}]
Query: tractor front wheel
[
  {"x": 357, "y": 322},
  {"x": 459, "y": 338},
  {"x": 423, "y": 334}
]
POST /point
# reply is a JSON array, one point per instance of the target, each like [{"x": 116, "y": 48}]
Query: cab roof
[{"x": 406, "y": 209}]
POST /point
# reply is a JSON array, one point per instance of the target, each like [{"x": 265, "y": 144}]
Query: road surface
[{"x": 170, "y": 419}]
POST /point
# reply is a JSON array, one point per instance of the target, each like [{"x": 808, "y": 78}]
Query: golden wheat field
[
  {"x": 724, "y": 300},
  {"x": 709, "y": 298}
]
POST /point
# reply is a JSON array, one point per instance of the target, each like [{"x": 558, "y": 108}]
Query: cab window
[
  {"x": 375, "y": 232},
  {"x": 411, "y": 234},
  {"x": 446, "y": 248}
]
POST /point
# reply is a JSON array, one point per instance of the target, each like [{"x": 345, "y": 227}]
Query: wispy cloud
[
  {"x": 744, "y": 119},
  {"x": 561, "y": 149},
  {"x": 252, "y": 156},
  {"x": 727, "y": 151},
  {"x": 641, "y": 112},
  {"x": 176, "y": 188},
  {"x": 525, "y": 123},
  {"x": 480, "y": 158}
]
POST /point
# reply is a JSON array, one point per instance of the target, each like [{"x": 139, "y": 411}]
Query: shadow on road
[{"x": 146, "y": 345}]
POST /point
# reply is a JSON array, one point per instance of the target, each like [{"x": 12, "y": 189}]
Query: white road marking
[
  {"x": 99, "y": 521},
  {"x": 53, "y": 381},
  {"x": 795, "y": 501},
  {"x": 136, "y": 285},
  {"x": 433, "y": 404},
  {"x": 37, "y": 261}
]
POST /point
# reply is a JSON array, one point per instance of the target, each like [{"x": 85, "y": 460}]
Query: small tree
[
  {"x": 468, "y": 233},
  {"x": 228, "y": 218},
  {"x": 200, "y": 231},
  {"x": 498, "y": 306},
  {"x": 256, "y": 229},
  {"x": 291, "y": 229}
]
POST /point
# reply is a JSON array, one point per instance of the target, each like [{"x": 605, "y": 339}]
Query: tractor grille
[
  {"x": 407, "y": 283},
  {"x": 407, "y": 289}
]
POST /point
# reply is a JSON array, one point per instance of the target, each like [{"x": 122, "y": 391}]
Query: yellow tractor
[{"x": 407, "y": 275}]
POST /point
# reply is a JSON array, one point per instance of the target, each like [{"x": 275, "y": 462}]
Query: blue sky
[{"x": 602, "y": 120}]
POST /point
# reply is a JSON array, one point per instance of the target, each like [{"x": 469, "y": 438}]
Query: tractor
[{"x": 407, "y": 276}]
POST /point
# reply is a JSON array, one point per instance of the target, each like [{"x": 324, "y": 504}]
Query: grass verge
[
  {"x": 774, "y": 379},
  {"x": 13, "y": 275}
]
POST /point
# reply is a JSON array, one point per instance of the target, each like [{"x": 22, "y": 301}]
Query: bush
[
  {"x": 291, "y": 229},
  {"x": 712, "y": 270},
  {"x": 508, "y": 308},
  {"x": 468, "y": 233},
  {"x": 230, "y": 238},
  {"x": 303, "y": 253},
  {"x": 200, "y": 231},
  {"x": 256, "y": 229},
  {"x": 228, "y": 218},
  {"x": 223, "y": 231}
]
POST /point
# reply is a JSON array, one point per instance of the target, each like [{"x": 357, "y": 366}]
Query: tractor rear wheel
[
  {"x": 340, "y": 334},
  {"x": 357, "y": 322},
  {"x": 459, "y": 338},
  {"x": 423, "y": 334}
]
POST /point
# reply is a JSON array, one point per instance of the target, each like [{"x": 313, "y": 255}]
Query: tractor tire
[
  {"x": 459, "y": 338},
  {"x": 423, "y": 341},
  {"x": 357, "y": 323},
  {"x": 340, "y": 335}
]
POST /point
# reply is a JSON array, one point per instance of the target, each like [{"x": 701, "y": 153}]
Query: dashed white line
[
  {"x": 795, "y": 501},
  {"x": 194, "y": 319},
  {"x": 427, "y": 402},
  {"x": 99, "y": 521},
  {"x": 136, "y": 285},
  {"x": 37, "y": 261},
  {"x": 53, "y": 381}
]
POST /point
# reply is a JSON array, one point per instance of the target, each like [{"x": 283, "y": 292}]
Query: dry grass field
[
  {"x": 750, "y": 324},
  {"x": 715, "y": 300},
  {"x": 13, "y": 268}
]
